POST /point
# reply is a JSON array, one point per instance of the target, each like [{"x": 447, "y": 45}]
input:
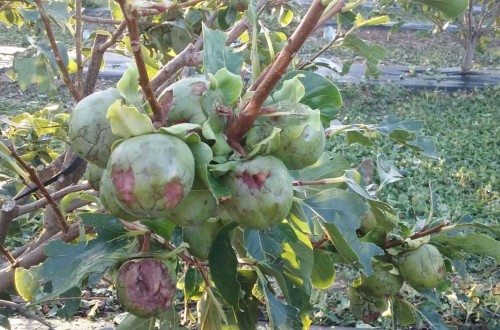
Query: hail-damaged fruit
[
  {"x": 262, "y": 192},
  {"x": 422, "y": 268},
  {"x": 145, "y": 287},
  {"x": 183, "y": 100},
  {"x": 108, "y": 197},
  {"x": 89, "y": 131},
  {"x": 151, "y": 174},
  {"x": 301, "y": 139}
]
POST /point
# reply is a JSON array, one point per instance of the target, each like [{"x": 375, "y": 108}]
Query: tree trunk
[{"x": 470, "y": 50}]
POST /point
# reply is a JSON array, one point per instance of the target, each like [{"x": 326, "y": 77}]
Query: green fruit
[
  {"x": 422, "y": 268},
  {"x": 198, "y": 206},
  {"x": 262, "y": 192},
  {"x": 93, "y": 175},
  {"x": 151, "y": 174},
  {"x": 89, "y": 132},
  {"x": 368, "y": 310},
  {"x": 108, "y": 195},
  {"x": 301, "y": 140},
  {"x": 183, "y": 100},
  {"x": 145, "y": 287},
  {"x": 381, "y": 283},
  {"x": 201, "y": 237}
]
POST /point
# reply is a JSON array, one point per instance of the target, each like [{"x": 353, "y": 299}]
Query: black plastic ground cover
[{"x": 446, "y": 79}]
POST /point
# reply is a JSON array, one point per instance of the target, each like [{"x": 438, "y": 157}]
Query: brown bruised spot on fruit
[
  {"x": 166, "y": 100},
  {"x": 174, "y": 193},
  {"x": 144, "y": 287},
  {"x": 124, "y": 183},
  {"x": 198, "y": 88},
  {"x": 255, "y": 181}
]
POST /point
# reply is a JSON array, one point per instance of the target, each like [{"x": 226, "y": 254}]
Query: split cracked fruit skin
[
  {"x": 151, "y": 174},
  {"x": 422, "y": 268},
  {"x": 89, "y": 131},
  {"x": 262, "y": 192},
  {"x": 145, "y": 287}
]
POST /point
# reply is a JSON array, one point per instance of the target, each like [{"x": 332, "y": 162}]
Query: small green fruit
[
  {"x": 381, "y": 283},
  {"x": 239, "y": 5},
  {"x": 201, "y": 237},
  {"x": 93, "y": 175},
  {"x": 89, "y": 131},
  {"x": 422, "y": 268}
]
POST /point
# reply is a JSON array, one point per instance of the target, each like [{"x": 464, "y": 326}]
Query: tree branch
[
  {"x": 62, "y": 67},
  {"x": 135, "y": 44},
  {"x": 78, "y": 44},
  {"x": 420, "y": 234},
  {"x": 241, "y": 124},
  {"x": 24, "y": 311},
  {"x": 36, "y": 180}
]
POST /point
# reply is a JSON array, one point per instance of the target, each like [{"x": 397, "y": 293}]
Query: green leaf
[
  {"x": 323, "y": 272},
  {"x": 267, "y": 145},
  {"x": 134, "y": 322},
  {"x": 450, "y": 8},
  {"x": 128, "y": 85},
  {"x": 387, "y": 171},
  {"x": 223, "y": 266},
  {"x": 360, "y": 21},
  {"x": 193, "y": 284},
  {"x": 71, "y": 306},
  {"x": 470, "y": 243},
  {"x": 67, "y": 265},
  {"x": 427, "y": 311},
  {"x": 292, "y": 91},
  {"x": 320, "y": 92},
  {"x": 404, "y": 310},
  {"x": 372, "y": 53},
  {"x": 210, "y": 312},
  {"x": 281, "y": 316},
  {"x": 338, "y": 212},
  {"x": 127, "y": 121},
  {"x": 180, "y": 130},
  {"x": 229, "y": 85},
  {"x": 217, "y": 55},
  {"x": 160, "y": 227}
]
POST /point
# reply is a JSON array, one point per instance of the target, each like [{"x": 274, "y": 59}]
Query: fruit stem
[{"x": 439, "y": 228}]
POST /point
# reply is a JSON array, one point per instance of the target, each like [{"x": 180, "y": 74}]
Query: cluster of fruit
[
  {"x": 156, "y": 175},
  {"x": 422, "y": 268}
]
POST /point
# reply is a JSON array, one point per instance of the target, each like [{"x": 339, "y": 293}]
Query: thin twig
[
  {"x": 114, "y": 37},
  {"x": 24, "y": 310},
  {"x": 36, "y": 180},
  {"x": 100, "y": 20},
  {"x": 241, "y": 124},
  {"x": 24, "y": 209},
  {"x": 420, "y": 234},
  {"x": 8, "y": 256},
  {"x": 78, "y": 45},
  {"x": 157, "y": 8},
  {"x": 60, "y": 63},
  {"x": 135, "y": 44}
]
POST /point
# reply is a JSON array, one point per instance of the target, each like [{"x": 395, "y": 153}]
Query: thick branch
[
  {"x": 95, "y": 64},
  {"x": 26, "y": 312},
  {"x": 238, "y": 128},
  {"x": 135, "y": 44},
  {"x": 60, "y": 63},
  {"x": 34, "y": 257}
]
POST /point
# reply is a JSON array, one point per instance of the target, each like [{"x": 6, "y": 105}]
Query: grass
[{"x": 464, "y": 126}]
